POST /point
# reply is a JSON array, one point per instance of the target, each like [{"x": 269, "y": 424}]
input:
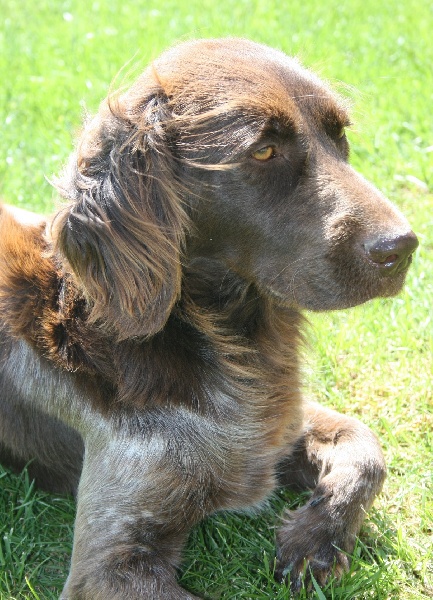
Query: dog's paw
[
  {"x": 307, "y": 546},
  {"x": 297, "y": 569}
]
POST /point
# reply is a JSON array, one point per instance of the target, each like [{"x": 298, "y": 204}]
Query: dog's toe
[{"x": 301, "y": 571}]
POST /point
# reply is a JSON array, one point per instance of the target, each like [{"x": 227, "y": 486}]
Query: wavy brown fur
[{"x": 151, "y": 330}]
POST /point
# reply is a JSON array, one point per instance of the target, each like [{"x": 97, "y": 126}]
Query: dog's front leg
[
  {"x": 137, "y": 500},
  {"x": 341, "y": 461}
]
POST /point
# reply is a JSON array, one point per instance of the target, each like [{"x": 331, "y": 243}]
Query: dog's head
[{"x": 229, "y": 150}]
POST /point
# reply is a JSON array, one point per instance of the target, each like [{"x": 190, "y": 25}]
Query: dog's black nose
[{"x": 392, "y": 254}]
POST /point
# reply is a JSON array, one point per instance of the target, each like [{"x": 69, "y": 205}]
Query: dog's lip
[{"x": 383, "y": 278}]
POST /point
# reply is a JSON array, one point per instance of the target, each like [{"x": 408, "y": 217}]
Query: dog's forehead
[{"x": 233, "y": 70}]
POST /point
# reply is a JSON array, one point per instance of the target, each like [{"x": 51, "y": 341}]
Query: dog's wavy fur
[{"x": 151, "y": 330}]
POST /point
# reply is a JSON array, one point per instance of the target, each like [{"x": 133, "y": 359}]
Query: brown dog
[{"x": 150, "y": 332}]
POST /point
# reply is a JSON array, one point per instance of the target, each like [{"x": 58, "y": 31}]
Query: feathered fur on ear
[{"x": 123, "y": 232}]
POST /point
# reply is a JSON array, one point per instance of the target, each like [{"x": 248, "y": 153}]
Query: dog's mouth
[{"x": 346, "y": 279}]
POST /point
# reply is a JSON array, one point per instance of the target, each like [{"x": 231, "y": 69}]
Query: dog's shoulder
[
  {"x": 20, "y": 216},
  {"x": 27, "y": 272}
]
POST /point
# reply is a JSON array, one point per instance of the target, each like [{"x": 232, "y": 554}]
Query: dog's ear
[{"x": 123, "y": 231}]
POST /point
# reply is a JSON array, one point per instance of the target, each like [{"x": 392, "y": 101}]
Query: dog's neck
[{"x": 222, "y": 332}]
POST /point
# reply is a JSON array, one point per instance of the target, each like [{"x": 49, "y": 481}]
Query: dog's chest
[{"x": 237, "y": 447}]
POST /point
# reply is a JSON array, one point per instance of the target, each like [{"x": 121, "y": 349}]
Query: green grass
[{"x": 374, "y": 362}]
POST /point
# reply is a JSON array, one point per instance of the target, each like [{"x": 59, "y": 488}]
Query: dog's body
[{"x": 150, "y": 332}]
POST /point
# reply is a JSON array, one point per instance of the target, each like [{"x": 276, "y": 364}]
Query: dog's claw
[
  {"x": 297, "y": 572},
  {"x": 287, "y": 574}
]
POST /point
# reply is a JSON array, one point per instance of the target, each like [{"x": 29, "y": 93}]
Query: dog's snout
[{"x": 392, "y": 254}]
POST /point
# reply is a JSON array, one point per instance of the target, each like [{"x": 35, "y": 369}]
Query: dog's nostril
[
  {"x": 392, "y": 254},
  {"x": 387, "y": 259}
]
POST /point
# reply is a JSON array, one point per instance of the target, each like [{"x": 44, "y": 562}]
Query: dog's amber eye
[{"x": 264, "y": 153}]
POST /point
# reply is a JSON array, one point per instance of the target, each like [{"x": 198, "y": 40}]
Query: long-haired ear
[{"x": 123, "y": 231}]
